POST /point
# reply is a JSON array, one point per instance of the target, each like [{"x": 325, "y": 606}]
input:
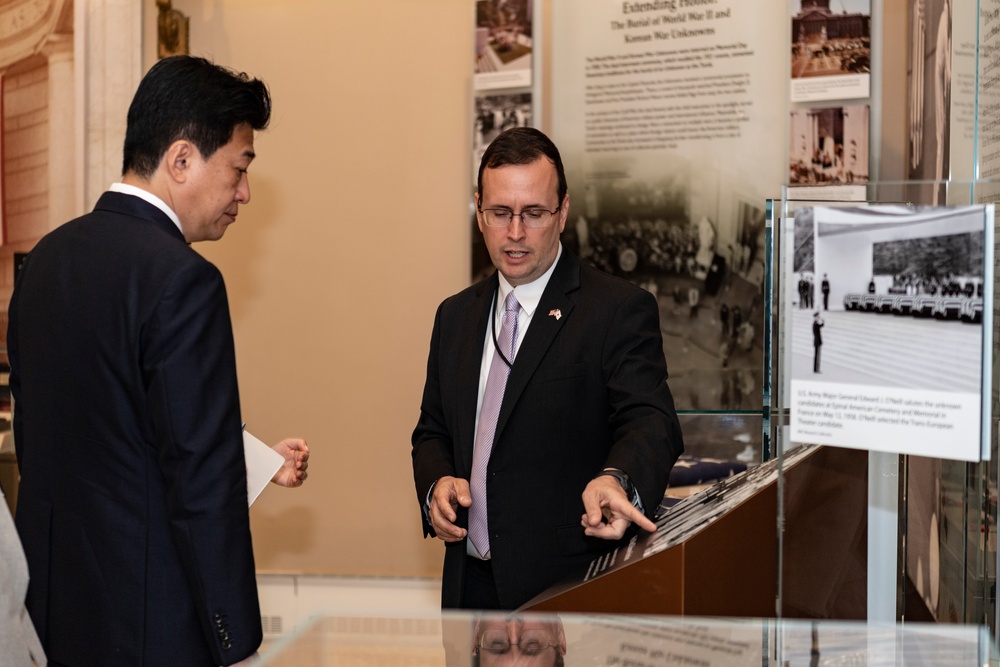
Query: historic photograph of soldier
[
  {"x": 905, "y": 296},
  {"x": 897, "y": 362},
  {"x": 829, "y": 146}
]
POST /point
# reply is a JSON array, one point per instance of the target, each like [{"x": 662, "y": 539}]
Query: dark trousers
[
  {"x": 816, "y": 359},
  {"x": 479, "y": 590}
]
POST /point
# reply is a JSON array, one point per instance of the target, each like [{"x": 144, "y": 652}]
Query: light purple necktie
[{"x": 496, "y": 382}]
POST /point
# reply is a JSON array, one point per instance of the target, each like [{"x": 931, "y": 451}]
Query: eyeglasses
[
  {"x": 531, "y": 643},
  {"x": 533, "y": 218}
]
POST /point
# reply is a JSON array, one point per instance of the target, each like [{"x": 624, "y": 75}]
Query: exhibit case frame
[
  {"x": 924, "y": 520},
  {"x": 925, "y": 512}
]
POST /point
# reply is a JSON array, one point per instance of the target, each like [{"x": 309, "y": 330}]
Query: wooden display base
[{"x": 726, "y": 562}]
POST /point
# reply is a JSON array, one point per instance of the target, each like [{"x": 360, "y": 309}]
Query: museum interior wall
[{"x": 337, "y": 265}]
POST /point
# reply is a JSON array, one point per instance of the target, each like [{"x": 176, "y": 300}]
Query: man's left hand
[
  {"x": 608, "y": 510},
  {"x": 293, "y": 472}
]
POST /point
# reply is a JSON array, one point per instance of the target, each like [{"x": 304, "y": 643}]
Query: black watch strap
[{"x": 624, "y": 480}]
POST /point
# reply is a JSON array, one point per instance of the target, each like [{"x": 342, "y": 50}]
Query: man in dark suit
[
  {"x": 585, "y": 432},
  {"x": 817, "y": 341},
  {"x": 133, "y": 498}
]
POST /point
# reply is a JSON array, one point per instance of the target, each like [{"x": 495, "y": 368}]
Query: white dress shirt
[{"x": 146, "y": 195}]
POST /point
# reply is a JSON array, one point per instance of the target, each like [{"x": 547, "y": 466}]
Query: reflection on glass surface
[
  {"x": 716, "y": 447},
  {"x": 461, "y": 639},
  {"x": 519, "y": 640}
]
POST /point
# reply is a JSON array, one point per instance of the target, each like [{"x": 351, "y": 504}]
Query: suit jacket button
[{"x": 226, "y": 646}]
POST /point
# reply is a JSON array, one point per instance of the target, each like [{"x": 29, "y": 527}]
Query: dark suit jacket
[
  {"x": 587, "y": 390},
  {"x": 133, "y": 499}
]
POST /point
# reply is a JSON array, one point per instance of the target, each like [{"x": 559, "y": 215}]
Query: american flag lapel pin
[{"x": 556, "y": 313}]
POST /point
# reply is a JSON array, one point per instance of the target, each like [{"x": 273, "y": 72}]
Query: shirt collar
[
  {"x": 529, "y": 294},
  {"x": 146, "y": 195}
]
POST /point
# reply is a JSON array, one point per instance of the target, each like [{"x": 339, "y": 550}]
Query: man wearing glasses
[
  {"x": 546, "y": 426},
  {"x": 535, "y": 640}
]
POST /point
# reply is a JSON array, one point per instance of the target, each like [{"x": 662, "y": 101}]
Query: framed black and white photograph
[
  {"x": 503, "y": 44},
  {"x": 830, "y": 50},
  {"x": 492, "y": 115},
  {"x": 887, "y": 321},
  {"x": 829, "y": 146}
]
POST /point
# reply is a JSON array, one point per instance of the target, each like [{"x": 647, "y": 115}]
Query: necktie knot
[
  {"x": 507, "y": 342},
  {"x": 510, "y": 304}
]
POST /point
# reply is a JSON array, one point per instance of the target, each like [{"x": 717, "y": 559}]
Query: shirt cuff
[{"x": 427, "y": 503}]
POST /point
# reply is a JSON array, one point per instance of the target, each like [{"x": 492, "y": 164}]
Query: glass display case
[
  {"x": 926, "y": 524},
  {"x": 460, "y": 640}
]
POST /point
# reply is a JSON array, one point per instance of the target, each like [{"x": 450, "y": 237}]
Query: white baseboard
[{"x": 289, "y": 600}]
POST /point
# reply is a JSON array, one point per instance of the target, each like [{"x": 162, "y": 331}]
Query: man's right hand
[{"x": 449, "y": 493}]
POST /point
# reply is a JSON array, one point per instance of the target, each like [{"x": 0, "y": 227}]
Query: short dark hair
[
  {"x": 185, "y": 97},
  {"x": 522, "y": 145}
]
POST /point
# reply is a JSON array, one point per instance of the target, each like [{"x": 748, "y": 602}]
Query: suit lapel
[
  {"x": 470, "y": 365},
  {"x": 542, "y": 331}
]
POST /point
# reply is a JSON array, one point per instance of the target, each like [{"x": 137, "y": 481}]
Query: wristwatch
[{"x": 624, "y": 480}]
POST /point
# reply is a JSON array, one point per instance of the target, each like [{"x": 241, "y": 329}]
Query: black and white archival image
[
  {"x": 697, "y": 245},
  {"x": 831, "y": 49},
  {"x": 829, "y": 146},
  {"x": 493, "y": 115},
  {"x": 503, "y": 44},
  {"x": 699, "y": 249},
  {"x": 886, "y": 315}
]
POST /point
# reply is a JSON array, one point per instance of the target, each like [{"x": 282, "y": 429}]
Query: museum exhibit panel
[
  {"x": 906, "y": 349},
  {"x": 658, "y": 212},
  {"x": 939, "y": 512}
]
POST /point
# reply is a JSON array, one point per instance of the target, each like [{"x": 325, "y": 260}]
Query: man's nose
[
  {"x": 243, "y": 190},
  {"x": 515, "y": 229}
]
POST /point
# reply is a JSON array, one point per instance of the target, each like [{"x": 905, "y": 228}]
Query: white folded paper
[{"x": 262, "y": 463}]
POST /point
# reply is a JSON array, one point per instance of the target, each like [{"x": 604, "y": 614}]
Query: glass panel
[
  {"x": 946, "y": 518},
  {"x": 459, "y": 640},
  {"x": 716, "y": 447}
]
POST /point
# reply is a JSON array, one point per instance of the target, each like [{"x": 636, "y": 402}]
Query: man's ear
[
  {"x": 177, "y": 159},
  {"x": 479, "y": 215},
  {"x": 563, "y": 213}
]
